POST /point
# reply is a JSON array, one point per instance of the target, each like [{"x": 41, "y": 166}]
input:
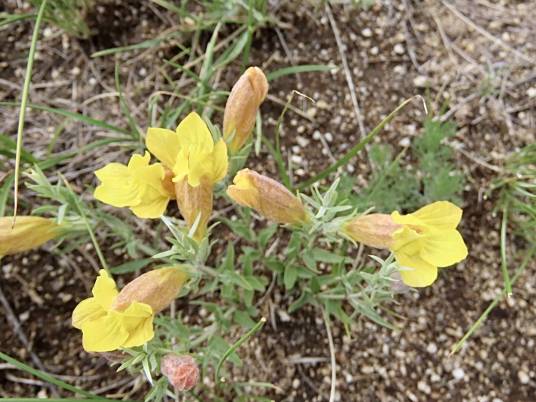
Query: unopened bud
[
  {"x": 29, "y": 232},
  {"x": 374, "y": 230},
  {"x": 270, "y": 198},
  {"x": 241, "y": 108},
  {"x": 157, "y": 288},
  {"x": 194, "y": 202},
  {"x": 181, "y": 371}
]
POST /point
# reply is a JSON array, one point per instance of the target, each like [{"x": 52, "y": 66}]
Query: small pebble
[
  {"x": 367, "y": 32},
  {"x": 458, "y": 373},
  {"x": 523, "y": 377},
  {"x": 399, "y": 49}
]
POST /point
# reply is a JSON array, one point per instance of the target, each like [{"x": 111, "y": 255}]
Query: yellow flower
[
  {"x": 426, "y": 240},
  {"x": 189, "y": 151},
  {"x": 110, "y": 320},
  {"x": 138, "y": 185},
  {"x": 105, "y": 329},
  {"x": 241, "y": 108},
  {"x": 29, "y": 232},
  {"x": 270, "y": 198}
]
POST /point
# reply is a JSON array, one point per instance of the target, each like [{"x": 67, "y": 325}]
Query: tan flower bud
[
  {"x": 29, "y": 232},
  {"x": 181, "y": 371},
  {"x": 241, "y": 108},
  {"x": 270, "y": 198},
  {"x": 157, "y": 288},
  {"x": 193, "y": 201},
  {"x": 374, "y": 230}
]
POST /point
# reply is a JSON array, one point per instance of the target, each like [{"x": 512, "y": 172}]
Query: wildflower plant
[{"x": 202, "y": 292}]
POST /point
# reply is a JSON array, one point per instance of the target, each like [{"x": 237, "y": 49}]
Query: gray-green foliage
[{"x": 433, "y": 177}]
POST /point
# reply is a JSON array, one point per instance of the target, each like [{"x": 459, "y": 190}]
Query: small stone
[
  {"x": 523, "y": 377},
  {"x": 374, "y": 51},
  {"x": 302, "y": 141},
  {"x": 295, "y": 383},
  {"x": 420, "y": 81},
  {"x": 458, "y": 373},
  {"x": 367, "y": 32},
  {"x": 423, "y": 387},
  {"x": 329, "y": 137},
  {"x": 404, "y": 142},
  {"x": 531, "y": 92},
  {"x": 317, "y": 135},
  {"x": 431, "y": 348},
  {"x": 399, "y": 49},
  {"x": 297, "y": 159},
  {"x": 322, "y": 104},
  {"x": 367, "y": 369}
]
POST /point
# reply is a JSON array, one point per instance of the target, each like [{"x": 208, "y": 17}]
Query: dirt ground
[{"x": 479, "y": 56}]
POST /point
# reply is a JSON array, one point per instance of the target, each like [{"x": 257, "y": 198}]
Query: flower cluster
[
  {"x": 111, "y": 320},
  {"x": 191, "y": 161}
]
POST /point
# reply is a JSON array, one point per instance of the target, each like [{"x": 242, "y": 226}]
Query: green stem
[
  {"x": 357, "y": 147},
  {"x": 458, "y": 345},
  {"x": 47, "y": 377},
  {"x": 504, "y": 263},
  {"x": 236, "y": 345},
  {"x": 24, "y": 100},
  {"x": 88, "y": 226}
]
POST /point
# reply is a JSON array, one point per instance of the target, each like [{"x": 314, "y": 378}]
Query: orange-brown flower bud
[
  {"x": 374, "y": 230},
  {"x": 194, "y": 202},
  {"x": 241, "y": 108},
  {"x": 29, "y": 232},
  {"x": 181, "y": 371},
  {"x": 270, "y": 198},
  {"x": 157, "y": 288}
]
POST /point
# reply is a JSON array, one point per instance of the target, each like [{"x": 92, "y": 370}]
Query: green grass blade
[
  {"x": 76, "y": 116},
  {"x": 47, "y": 377},
  {"x": 305, "y": 68},
  {"x": 23, "y": 102},
  {"x": 504, "y": 262},
  {"x": 236, "y": 345},
  {"x": 6, "y": 19},
  {"x": 357, "y": 147},
  {"x": 135, "y": 132}
]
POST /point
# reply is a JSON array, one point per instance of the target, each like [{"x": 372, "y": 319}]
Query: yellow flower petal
[
  {"x": 118, "y": 188},
  {"x": 164, "y": 145},
  {"x": 416, "y": 272},
  {"x": 220, "y": 161},
  {"x": 194, "y": 134},
  {"x": 137, "y": 320},
  {"x": 443, "y": 248},
  {"x": 442, "y": 215},
  {"x": 155, "y": 198},
  {"x": 104, "y": 290},
  {"x": 104, "y": 334},
  {"x": 87, "y": 310}
]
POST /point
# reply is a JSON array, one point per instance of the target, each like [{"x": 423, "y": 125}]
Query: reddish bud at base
[{"x": 181, "y": 371}]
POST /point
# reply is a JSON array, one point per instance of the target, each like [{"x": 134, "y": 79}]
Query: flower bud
[
  {"x": 157, "y": 288},
  {"x": 29, "y": 232},
  {"x": 241, "y": 108},
  {"x": 181, "y": 371},
  {"x": 195, "y": 201},
  {"x": 374, "y": 230},
  {"x": 270, "y": 198}
]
